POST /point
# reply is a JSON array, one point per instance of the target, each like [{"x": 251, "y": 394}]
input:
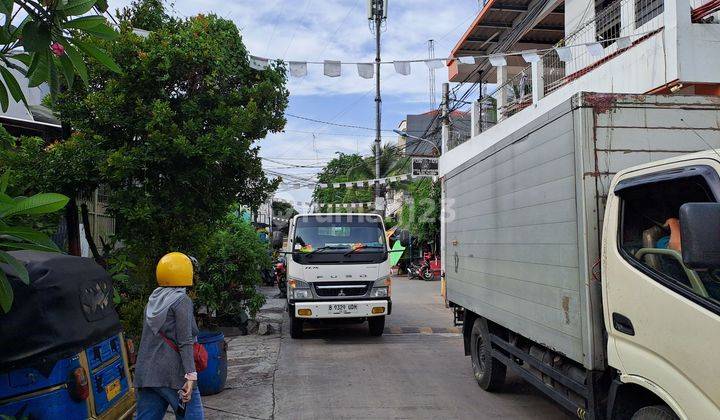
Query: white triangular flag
[
  {"x": 353, "y": 205},
  {"x": 365, "y": 70},
  {"x": 497, "y": 60},
  {"x": 258, "y": 63},
  {"x": 530, "y": 56},
  {"x": 402, "y": 67},
  {"x": 298, "y": 68},
  {"x": 331, "y": 68},
  {"x": 348, "y": 184},
  {"x": 595, "y": 49},
  {"x": 466, "y": 60},
  {"x": 336, "y": 185},
  {"x": 624, "y": 42},
  {"x": 434, "y": 64},
  {"x": 359, "y": 183},
  {"x": 564, "y": 53}
]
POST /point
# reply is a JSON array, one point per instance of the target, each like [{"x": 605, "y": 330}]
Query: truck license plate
[
  {"x": 342, "y": 308},
  {"x": 112, "y": 389}
]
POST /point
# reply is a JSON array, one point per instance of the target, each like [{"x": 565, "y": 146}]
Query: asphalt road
[{"x": 417, "y": 369}]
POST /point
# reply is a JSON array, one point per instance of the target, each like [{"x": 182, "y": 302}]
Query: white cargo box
[{"x": 523, "y": 211}]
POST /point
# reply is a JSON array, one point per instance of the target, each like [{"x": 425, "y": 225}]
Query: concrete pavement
[{"x": 416, "y": 370}]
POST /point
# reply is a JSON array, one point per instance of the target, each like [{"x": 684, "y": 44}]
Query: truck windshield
[{"x": 338, "y": 238}]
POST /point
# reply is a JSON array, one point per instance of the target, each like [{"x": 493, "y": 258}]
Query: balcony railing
[{"x": 636, "y": 19}]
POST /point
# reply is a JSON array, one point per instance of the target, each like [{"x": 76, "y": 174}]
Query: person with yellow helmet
[{"x": 165, "y": 372}]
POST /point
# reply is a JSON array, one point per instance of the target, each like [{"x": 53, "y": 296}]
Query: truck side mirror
[
  {"x": 277, "y": 239},
  {"x": 700, "y": 227}
]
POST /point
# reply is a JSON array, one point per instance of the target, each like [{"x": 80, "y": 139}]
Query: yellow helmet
[{"x": 174, "y": 270}]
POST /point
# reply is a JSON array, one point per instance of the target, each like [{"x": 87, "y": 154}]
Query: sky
[{"x": 317, "y": 30}]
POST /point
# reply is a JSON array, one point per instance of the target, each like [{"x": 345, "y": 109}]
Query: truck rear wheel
[
  {"x": 654, "y": 412},
  {"x": 296, "y": 326},
  {"x": 377, "y": 325},
  {"x": 489, "y": 372}
]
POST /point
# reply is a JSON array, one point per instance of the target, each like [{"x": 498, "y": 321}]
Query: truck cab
[
  {"x": 337, "y": 268},
  {"x": 661, "y": 278}
]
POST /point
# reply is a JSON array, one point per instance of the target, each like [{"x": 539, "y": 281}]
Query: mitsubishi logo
[{"x": 342, "y": 293}]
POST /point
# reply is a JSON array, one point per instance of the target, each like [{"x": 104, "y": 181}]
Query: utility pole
[
  {"x": 377, "y": 13},
  {"x": 445, "y": 117}
]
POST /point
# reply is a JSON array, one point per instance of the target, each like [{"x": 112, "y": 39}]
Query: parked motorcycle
[
  {"x": 281, "y": 276},
  {"x": 426, "y": 269}
]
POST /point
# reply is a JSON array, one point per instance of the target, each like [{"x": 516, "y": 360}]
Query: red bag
[{"x": 199, "y": 353}]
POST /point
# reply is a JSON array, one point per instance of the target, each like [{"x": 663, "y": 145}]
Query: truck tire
[
  {"x": 377, "y": 325},
  {"x": 489, "y": 372},
  {"x": 654, "y": 412},
  {"x": 296, "y": 327}
]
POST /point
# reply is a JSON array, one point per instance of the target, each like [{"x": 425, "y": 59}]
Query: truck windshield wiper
[
  {"x": 360, "y": 247},
  {"x": 324, "y": 248}
]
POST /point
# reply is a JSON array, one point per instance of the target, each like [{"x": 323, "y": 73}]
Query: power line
[{"x": 335, "y": 124}]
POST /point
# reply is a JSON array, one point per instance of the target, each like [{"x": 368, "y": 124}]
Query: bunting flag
[
  {"x": 365, "y": 70},
  {"x": 258, "y": 63},
  {"x": 497, "y": 60},
  {"x": 531, "y": 56},
  {"x": 624, "y": 42},
  {"x": 595, "y": 49},
  {"x": 434, "y": 64},
  {"x": 332, "y": 68},
  {"x": 402, "y": 67},
  {"x": 298, "y": 69},
  {"x": 564, "y": 53},
  {"x": 367, "y": 182}
]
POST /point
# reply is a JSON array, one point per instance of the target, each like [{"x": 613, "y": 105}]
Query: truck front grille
[{"x": 340, "y": 289}]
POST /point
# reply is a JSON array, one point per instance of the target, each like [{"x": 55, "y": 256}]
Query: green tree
[
  {"x": 55, "y": 35},
  {"x": 421, "y": 217},
  {"x": 232, "y": 272},
  {"x": 283, "y": 209},
  {"x": 178, "y": 129},
  {"x": 15, "y": 235}
]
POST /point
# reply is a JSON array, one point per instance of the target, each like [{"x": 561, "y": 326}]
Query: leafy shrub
[{"x": 232, "y": 271}]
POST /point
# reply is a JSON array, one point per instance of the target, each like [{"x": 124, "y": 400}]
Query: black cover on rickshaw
[{"x": 66, "y": 308}]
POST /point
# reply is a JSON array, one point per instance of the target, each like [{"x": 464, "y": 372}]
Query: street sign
[{"x": 423, "y": 166}]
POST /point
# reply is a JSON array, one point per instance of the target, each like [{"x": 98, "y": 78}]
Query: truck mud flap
[{"x": 593, "y": 409}]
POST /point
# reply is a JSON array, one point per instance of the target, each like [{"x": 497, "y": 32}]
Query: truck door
[{"x": 662, "y": 319}]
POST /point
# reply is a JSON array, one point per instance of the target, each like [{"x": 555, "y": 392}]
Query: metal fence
[{"x": 101, "y": 224}]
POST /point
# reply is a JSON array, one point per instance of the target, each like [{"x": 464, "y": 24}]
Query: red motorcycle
[
  {"x": 428, "y": 268},
  {"x": 281, "y": 276}
]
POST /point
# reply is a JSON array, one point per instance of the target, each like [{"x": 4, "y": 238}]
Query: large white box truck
[
  {"x": 337, "y": 268},
  {"x": 582, "y": 252}
]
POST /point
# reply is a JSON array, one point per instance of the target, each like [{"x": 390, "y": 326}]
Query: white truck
[
  {"x": 581, "y": 251},
  {"x": 337, "y": 267}
]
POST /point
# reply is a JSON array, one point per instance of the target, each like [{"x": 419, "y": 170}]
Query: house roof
[{"x": 495, "y": 22}]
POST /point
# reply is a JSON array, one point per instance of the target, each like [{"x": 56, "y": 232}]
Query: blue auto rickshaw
[{"x": 63, "y": 355}]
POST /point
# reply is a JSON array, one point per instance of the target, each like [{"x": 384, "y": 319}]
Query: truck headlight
[
  {"x": 381, "y": 287},
  {"x": 299, "y": 289}
]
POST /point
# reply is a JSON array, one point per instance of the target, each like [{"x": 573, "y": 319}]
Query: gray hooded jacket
[{"x": 158, "y": 365}]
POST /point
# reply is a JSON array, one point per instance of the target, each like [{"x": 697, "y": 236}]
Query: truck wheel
[
  {"x": 654, "y": 412},
  {"x": 377, "y": 325},
  {"x": 489, "y": 372},
  {"x": 296, "y": 327}
]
